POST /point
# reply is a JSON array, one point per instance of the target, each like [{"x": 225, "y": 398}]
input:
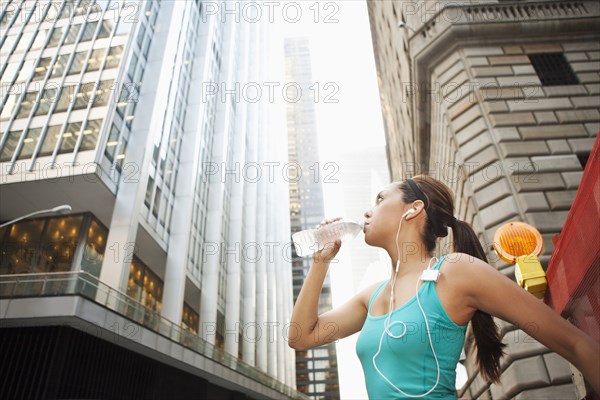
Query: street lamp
[{"x": 64, "y": 209}]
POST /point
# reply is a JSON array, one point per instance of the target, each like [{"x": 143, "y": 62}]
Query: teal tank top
[{"x": 408, "y": 362}]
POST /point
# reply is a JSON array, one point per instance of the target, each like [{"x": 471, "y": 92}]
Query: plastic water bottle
[{"x": 310, "y": 241}]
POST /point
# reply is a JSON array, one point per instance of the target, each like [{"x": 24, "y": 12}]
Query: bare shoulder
[
  {"x": 465, "y": 271},
  {"x": 365, "y": 294}
]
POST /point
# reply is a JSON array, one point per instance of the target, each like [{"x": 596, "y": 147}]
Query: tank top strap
[
  {"x": 439, "y": 263},
  {"x": 375, "y": 293}
]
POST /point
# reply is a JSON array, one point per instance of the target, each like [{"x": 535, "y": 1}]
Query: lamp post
[{"x": 64, "y": 209}]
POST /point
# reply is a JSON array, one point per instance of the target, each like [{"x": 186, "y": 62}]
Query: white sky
[{"x": 342, "y": 55}]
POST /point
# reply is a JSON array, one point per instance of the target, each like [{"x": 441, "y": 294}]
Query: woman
[{"x": 413, "y": 350}]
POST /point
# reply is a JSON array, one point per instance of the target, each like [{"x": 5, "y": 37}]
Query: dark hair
[{"x": 439, "y": 218}]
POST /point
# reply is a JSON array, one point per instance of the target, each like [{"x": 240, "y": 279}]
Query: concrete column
[
  {"x": 188, "y": 171},
  {"x": 235, "y": 244},
  {"x": 214, "y": 239},
  {"x": 123, "y": 227}
]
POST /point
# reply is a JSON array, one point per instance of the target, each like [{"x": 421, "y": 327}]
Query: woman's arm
[
  {"x": 309, "y": 329},
  {"x": 492, "y": 292}
]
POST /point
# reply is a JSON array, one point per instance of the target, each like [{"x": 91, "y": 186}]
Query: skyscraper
[
  {"x": 132, "y": 113},
  {"x": 316, "y": 369},
  {"x": 500, "y": 101}
]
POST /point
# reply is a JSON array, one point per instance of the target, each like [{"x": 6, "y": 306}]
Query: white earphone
[
  {"x": 412, "y": 210},
  {"x": 387, "y": 324}
]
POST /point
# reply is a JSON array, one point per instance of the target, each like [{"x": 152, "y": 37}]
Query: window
[
  {"x": 64, "y": 99},
  {"x": 59, "y": 243},
  {"x": 111, "y": 144},
  {"x": 42, "y": 68},
  {"x": 88, "y": 33},
  {"x": 95, "y": 245},
  {"x": 105, "y": 29},
  {"x": 96, "y": 60},
  {"x": 84, "y": 96},
  {"x": 148, "y": 191},
  {"x": 70, "y": 137},
  {"x": 114, "y": 57},
  {"x": 105, "y": 89},
  {"x": 55, "y": 38},
  {"x": 27, "y": 104},
  {"x": 90, "y": 135},
  {"x": 29, "y": 143},
  {"x": 78, "y": 63},
  {"x": 121, "y": 155},
  {"x": 144, "y": 286},
  {"x": 50, "y": 140},
  {"x": 73, "y": 33},
  {"x": 553, "y": 69},
  {"x": 10, "y": 145},
  {"x": 48, "y": 97},
  {"x": 59, "y": 66}
]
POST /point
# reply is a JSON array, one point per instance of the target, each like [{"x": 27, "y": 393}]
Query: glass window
[
  {"x": 114, "y": 57},
  {"x": 55, "y": 38},
  {"x": 42, "y": 68},
  {"x": 189, "y": 319},
  {"x": 27, "y": 104},
  {"x": 70, "y": 137},
  {"x": 59, "y": 244},
  {"x": 73, "y": 33},
  {"x": 130, "y": 115},
  {"x": 103, "y": 93},
  {"x": 48, "y": 97},
  {"x": 121, "y": 155},
  {"x": 21, "y": 246},
  {"x": 96, "y": 59},
  {"x": 90, "y": 135},
  {"x": 95, "y": 245},
  {"x": 59, "y": 67},
  {"x": 140, "y": 38},
  {"x": 132, "y": 65},
  {"x": 64, "y": 99},
  {"x": 78, "y": 63},
  {"x": 90, "y": 29},
  {"x": 50, "y": 139},
  {"x": 84, "y": 96},
  {"x": 149, "y": 191},
  {"x": 105, "y": 29},
  {"x": 156, "y": 202},
  {"x": 10, "y": 145},
  {"x": 144, "y": 286},
  {"x": 29, "y": 143},
  {"x": 111, "y": 144}
]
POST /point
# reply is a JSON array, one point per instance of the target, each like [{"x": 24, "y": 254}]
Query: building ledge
[{"x": 80, "y": 301}]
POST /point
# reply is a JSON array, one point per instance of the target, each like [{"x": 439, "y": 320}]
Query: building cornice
[{"x": 455, "y": 26}]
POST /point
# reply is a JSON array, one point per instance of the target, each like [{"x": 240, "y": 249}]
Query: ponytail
[
  {"x": 440, "y": 217},
  {"x": 488, "y": 339}
]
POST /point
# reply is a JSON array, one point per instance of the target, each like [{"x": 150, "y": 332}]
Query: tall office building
[
  {"x": 316, "y": 369},
  {"x": 499, "y": 99},
  {"x": 157, "y": 284}
]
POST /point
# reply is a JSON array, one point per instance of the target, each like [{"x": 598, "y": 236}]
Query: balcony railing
[{"x": 88, "y": 286}]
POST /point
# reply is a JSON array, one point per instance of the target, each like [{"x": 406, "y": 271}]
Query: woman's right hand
[{"x": 330, "y": 250}]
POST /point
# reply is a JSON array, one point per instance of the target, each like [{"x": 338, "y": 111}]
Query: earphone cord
[{"x": 387, "y": 325}]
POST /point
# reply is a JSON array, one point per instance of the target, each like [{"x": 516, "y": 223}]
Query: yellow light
[
  {"x": 129, "y": 117},
  {"x": 67, "y": 134},
  {"x": 28, "y": 140},
  {"x": 111, "y": 144},
  {"x": 120, "y": 156}
]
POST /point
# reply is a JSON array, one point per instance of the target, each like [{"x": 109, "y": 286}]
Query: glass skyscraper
[{"x": 127, "y": 111}]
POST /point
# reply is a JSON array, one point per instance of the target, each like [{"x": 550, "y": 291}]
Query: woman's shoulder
[{"x": 463, "y": 269}]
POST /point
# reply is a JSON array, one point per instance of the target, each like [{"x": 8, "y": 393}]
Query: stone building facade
[{"x": 500, "y": 100}]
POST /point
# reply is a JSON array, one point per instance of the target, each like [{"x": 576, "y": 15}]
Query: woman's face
[{"x": 382, "y": 220}]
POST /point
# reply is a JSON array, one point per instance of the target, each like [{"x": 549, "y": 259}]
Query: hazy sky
[{"x": 348, "y": 116}]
